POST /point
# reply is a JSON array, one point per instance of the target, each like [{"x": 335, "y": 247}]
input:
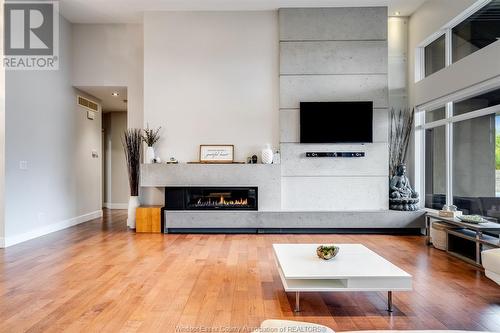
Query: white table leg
[{"x": 297, "y": 301}]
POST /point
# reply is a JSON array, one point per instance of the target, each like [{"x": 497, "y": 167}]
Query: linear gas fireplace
[{"x": 211, "y": 198}]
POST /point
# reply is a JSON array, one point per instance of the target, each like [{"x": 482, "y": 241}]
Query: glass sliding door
[
  {"x": 461, "y": 154},
  {"x": 435, "y": 167},
  {"x": 475, "y": 155}
]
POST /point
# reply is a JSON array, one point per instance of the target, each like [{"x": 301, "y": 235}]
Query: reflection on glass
[
  {"x": 435, "y": 167},
  {"x": 486, "y": 100},
  {"x": 476, "y": 162},
  {"x": 436, "y": 114},
  {"x": 435, "y": 56},
  {"x": 478, "y": 31}
]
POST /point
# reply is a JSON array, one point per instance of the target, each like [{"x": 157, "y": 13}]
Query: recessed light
[
  {"x": 115, "y": 94},
  {"x": 397, "y": 13}
]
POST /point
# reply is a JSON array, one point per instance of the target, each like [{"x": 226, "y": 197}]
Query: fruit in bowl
[
  {"x": 327, "y": 252},
  {"x": 472, "y": 219}
]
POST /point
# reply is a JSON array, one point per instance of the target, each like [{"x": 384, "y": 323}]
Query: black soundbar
[{"x": 335, "y": 154}]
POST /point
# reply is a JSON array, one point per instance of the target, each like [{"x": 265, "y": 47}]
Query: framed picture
[{"x": 216, "y": 153}]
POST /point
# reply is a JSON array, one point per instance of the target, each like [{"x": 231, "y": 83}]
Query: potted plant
[
  {"x": 132, "y": 145},
  {"x": 150, "y": 137}
]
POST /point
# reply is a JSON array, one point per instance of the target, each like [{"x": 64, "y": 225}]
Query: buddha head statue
[{"x": 401, "y": 169}]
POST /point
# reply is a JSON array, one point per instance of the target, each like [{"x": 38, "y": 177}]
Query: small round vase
[
  {"x": 150, "y": 155},
  {"x": 133, "y": 203},
  {"x": 267, "y": 155}
]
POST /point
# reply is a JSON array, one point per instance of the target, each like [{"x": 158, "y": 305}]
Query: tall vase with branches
[
  {"x": 132, "y": 146},
  {"x": 150, "y": 137},
  {"x": 399, "y": 137}
]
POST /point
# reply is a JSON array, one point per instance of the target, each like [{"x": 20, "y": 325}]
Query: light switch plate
[
  {"x": 23, "y": 165},
  {"x": 91, "y": 115}
]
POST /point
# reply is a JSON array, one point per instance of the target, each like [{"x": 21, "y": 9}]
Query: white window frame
[
  {"x": 420, "y": 55},
  {"x": 448, "y": 121},
  {"x": 445, "y": 30}
]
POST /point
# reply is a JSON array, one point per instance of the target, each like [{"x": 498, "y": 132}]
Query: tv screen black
[{"x": 336, "y": 122}]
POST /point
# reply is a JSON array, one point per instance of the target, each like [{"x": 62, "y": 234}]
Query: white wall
[
  {"x": 397, "y": 40},
  {"x": 45, "y": 127},
  {"x": 211, "y": 78},
  {"x": 111, "y": 55},
  {"x": 116, "y": 191},
  {"x": 2, "y": 139}
]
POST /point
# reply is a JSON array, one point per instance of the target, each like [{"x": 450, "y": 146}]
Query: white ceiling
[
  {"x": 109, "y": 103},
  {"x": 130, "y": 11}
]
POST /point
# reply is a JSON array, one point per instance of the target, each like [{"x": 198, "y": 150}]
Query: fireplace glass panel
[{"x": 211, "y": 198}]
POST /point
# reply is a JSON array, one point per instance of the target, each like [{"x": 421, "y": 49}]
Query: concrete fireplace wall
[{"x": 333, "y": 54}]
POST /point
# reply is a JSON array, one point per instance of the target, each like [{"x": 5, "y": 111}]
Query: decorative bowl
[
  {"x": 327, "y": 252},
  {"x": 472, "y": 219}
]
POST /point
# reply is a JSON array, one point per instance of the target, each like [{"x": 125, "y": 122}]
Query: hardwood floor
[{"x": 100, "y": 277}]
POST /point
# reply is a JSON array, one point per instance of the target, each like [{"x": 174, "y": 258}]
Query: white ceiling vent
[{"x": 87, "y": 103}]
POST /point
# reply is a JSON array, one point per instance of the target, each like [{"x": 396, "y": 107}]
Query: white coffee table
[{"x": 355, "y": 268}]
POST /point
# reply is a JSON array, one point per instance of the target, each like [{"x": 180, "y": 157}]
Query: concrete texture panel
[
  {"x": 348, "y": 220},
  {"x": 295, "y": 163},
  {"x": 365, "y": 23},
  {"x": 190, "y": 219},
  {"x": 326, "y": 88},
  {"x": 300, "y": 220},
  {"x": 338, "y": 57},
  {"x": 335, "y": 193},
  {"x": 290, "y": 125}
]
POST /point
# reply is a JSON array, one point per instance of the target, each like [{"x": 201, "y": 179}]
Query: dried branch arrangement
[
  {"x": 399, "y": 137},
  {"x": 132, "y": 145},
  {"x": 151, "y": 136}
]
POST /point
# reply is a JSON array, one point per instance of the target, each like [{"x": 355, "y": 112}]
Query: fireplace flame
[{"x": 222, "y": 202}]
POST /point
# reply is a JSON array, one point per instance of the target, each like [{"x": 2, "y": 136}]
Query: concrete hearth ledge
[
  {"x": 284, "y": 220},
  {"x": 270, "y": 216}
]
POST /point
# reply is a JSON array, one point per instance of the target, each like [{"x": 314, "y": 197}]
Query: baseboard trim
[
  {"x": 13, "y": 240},
  {"x": 110, "y": 205}
]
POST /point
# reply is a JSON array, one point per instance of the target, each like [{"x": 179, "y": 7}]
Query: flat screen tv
[{"x": 336, "y": 122}]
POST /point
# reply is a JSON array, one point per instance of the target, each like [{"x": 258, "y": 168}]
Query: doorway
[{"x": 115, "y": 188}]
